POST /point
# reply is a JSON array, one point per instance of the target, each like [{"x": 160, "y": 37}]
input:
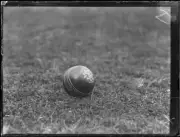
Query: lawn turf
[{"x": 128, "y": 52}]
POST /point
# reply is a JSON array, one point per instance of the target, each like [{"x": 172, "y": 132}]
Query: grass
[{"x": 127, "y": 52}]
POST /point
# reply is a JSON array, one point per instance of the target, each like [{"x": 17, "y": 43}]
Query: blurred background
[{"x": 40, "y": 32}]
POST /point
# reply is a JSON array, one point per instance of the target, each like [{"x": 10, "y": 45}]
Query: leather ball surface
[{"x": 78, "y": 81}]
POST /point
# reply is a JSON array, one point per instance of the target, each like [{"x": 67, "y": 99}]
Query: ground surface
[{"x": 127, "y": 49}]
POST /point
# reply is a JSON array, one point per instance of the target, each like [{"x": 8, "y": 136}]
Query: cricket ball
[{"x": 78, "y": 81}]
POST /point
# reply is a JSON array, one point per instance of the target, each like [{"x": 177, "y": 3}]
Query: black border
[
  {"x": 92, "y": 3},
  {"x": 175, "y": 100}
]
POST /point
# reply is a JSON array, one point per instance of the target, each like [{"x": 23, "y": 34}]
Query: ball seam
[{"x": 73, "y": 85}]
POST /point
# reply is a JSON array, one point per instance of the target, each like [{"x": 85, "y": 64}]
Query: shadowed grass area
[{"x": 128, "y": 53}]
